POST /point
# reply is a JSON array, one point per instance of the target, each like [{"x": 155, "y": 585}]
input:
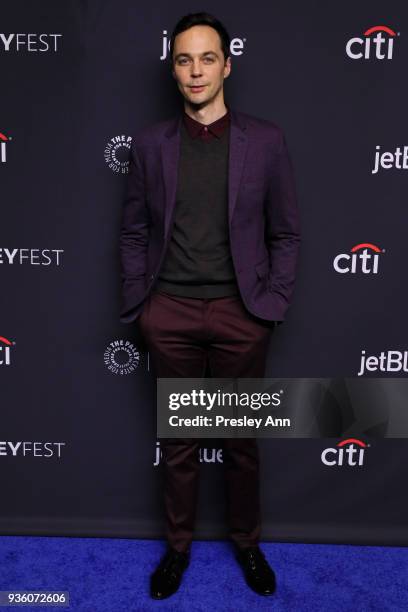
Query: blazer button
[{"x": 151, "y": 276}]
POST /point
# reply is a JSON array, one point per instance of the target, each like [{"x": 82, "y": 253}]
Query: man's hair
[{"x": 194, "y": 19}]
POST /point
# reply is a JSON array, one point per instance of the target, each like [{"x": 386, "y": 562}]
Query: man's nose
[{"x": 196, "y": 68}]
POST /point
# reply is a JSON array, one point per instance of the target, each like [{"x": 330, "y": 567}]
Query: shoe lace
[{"x": 256, "y": 559}]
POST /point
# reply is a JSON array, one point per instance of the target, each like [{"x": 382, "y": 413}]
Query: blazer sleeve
[
  {"x": 134, "y": 229},
  {"x": 282, "y": 230}
]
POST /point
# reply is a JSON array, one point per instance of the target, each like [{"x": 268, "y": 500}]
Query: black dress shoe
[
  {"x": 166, "y": 578},
  {"x": 259, "y": 575}
]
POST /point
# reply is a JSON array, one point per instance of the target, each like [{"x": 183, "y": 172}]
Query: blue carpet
[{"x": 112, "y": 575}]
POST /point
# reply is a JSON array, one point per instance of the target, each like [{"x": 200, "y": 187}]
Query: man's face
[{"x": 199, "y": 66}]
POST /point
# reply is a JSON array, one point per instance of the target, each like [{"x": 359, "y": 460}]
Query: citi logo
[
  {"x": 363, "y": 257},
  {"x": 348, "y": 452},
  {"x": 3, "y": 148},
  {"x": 378, "y": 43},
  {"x": 387, "y": 361},
  {"x": 236, "y": 46},
  {"x": 5, "y": 351}
]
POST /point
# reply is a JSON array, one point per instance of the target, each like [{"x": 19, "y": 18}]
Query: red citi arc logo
[
  {"x": 3, "y": 141},
  {"x": 364, "y": 258},
  {"x": 375, "y": 44},
  {"x": 5, "y": 345},
  {"x": 347, "y": 452}
]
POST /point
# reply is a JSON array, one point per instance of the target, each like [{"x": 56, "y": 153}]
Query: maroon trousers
[{"x": 183, "y": 336}]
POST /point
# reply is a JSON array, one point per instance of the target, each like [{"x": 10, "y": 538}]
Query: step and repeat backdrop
[{"x": 79, "y": 453}]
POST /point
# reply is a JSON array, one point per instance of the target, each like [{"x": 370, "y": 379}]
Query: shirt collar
[{"x": 195, "y": 128}]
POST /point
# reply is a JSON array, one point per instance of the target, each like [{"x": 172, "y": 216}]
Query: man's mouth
[{"x": 196, "y": 87}]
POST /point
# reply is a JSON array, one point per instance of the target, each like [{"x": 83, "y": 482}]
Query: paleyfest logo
[
  {"x": 363, "y": 257},
  {"x": 5, "y": 351},
  {"x": 29, "y": 43},
  {"x": 3, "y": 147},
  {"x": 117, "y": 153},
  {"x": 347, "y": 452},
  {"x": 121, "y": 357},
  {"x": 236, "y": 46},
  {"x": 378, "y": 44},
  {"x": 30, "y": 257},
  {"x": 31, "y": 449}
]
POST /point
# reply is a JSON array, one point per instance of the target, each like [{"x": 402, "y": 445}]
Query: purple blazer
[{"x": 262, "y": 211}]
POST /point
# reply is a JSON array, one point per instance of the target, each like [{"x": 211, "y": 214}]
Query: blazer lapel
[
  {"x": 170, "y": 150},
  {"x": 237, "y": 151}
]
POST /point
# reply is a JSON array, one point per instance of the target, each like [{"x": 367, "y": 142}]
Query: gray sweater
[{"x": 198, "y": 260}]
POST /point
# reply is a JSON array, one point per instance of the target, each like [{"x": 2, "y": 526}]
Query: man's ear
[{"x": 227, "y": 67}]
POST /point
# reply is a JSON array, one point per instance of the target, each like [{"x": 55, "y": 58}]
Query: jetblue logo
[
  {"x": 236, "y": 46},
  {"x": 387, "y": 159},
  {"x": 387, "y": 361}
]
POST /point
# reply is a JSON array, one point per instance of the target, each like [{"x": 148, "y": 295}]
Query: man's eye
[
  {"x": 183, "y": 61},
  {"x": 209, "y": 60}
]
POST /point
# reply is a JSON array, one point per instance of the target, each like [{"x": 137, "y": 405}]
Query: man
[{"x": 208, "y": 246}]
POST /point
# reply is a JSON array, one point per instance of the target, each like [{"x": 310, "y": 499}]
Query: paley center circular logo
[
  {"x": 121, "y": 357},
  {"x": 117, "y": 153}
]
